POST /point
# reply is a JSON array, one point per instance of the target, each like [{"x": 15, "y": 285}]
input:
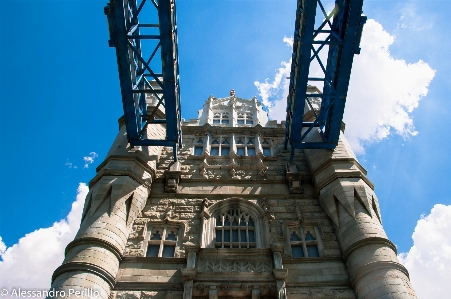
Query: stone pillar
[
  {"x": 117, "y": 195},
  {"x": 213, "y": 292},
  {"x": 189, "y": 272},
  {"x": 280, "y": 274},
  {"x": 256, "y": 293},
  {"x": 347, "y": 197}
]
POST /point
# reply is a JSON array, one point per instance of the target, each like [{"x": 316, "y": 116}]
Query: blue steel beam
[
  {"x": 138, "y": 74},
  {"x": 342, "y": 41}
]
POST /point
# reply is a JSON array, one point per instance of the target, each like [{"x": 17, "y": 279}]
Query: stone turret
[{"x": 117, "y": 195}]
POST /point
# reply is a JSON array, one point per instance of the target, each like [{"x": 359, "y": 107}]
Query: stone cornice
[
  {"x": 207, "y": 128},
  {"x": 371, "y": 268},
  {"x": 94, "y": 241},
  {"x": 101, "y": 172},
  {"x": 368, "y": 241},
  {"x": 154, "y": 260},
  {"x": 85, "y": 267}
]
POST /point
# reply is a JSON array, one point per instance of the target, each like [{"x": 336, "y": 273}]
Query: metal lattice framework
[
  {"x": 143, "y": 77},
  {"x": 339, "y": 33}
]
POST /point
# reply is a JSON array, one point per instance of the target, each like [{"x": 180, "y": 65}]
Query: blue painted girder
[
  {"x": 341, "y": 38},
  {"x": 137, "y": 74}
]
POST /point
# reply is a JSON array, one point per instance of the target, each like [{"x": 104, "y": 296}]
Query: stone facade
[{"x": 232, "y": 218}]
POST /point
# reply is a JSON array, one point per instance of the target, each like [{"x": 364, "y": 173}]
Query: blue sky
[{"x": 60, "y": 98}]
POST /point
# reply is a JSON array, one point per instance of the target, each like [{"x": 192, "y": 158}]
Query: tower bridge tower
[{"x": 232, "y": 218}]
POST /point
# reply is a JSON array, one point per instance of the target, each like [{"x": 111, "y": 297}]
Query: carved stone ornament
[
  {"x": 294, "y": 178},
  {"x": 172, "y": 176}
]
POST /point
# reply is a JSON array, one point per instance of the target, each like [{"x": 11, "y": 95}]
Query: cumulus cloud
[
  {"x": 383, "y": 91},
  {"x": 429, "y": 259},
  {"x": 30, "y": 263},
  {"x": 89, "y": 159}
]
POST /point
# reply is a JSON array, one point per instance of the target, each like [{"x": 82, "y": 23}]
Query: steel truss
[
  {"x": 342, "y": 38},
  {"x": 136, "y": 71}
]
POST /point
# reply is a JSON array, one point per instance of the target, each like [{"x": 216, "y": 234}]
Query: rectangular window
[
  {"x": 198, "y": 150},
  {"x": 245, "y": 146},
  {"x": 234, "y": 229},
  {"x": 162, "y": 241},
  {"x": 220, "y": 146},
  {"x": 303, "y": 243}
]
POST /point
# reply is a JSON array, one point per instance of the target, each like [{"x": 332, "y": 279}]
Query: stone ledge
[
  {"x": 367, "y": 241},
  {"x": 85, "y": 267},
  {"x": 94, "y": 241}
]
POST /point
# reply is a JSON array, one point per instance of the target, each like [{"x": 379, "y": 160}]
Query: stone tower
[{"x": 233, "y": 218}]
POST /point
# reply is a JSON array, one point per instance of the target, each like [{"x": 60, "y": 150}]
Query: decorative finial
[{"x": 232, "y": 93}]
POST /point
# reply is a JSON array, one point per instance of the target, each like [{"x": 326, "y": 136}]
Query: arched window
[
  {"x": 220, "y": 146},
  {"x": 235, "y": 223},
  {"x": 221, "y": 118},
  {"x": 245, "y": 146},
  {"x": 162, "y": 241},
  {"x": 266, "y": 146},
  {"x": 199, "y": 147},
  {"x": 244, "y": 118},
  {"x": 234, "y": 229},
  {"x": 303, "y": 242}
]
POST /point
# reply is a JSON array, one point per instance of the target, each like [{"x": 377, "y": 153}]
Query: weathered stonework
[{"x": 233, "y": 218}]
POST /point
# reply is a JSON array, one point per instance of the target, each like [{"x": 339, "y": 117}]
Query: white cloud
[
  {"x": 429, "y": 259},
  {"x": 383, "y": 91},
  {"x": 274, "y": 94},
  {"x": 30, "y": 263},
  {"x": 89, "y": 159}
]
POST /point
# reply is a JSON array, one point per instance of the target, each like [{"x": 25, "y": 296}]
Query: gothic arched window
[
  {"x": 303, "y": 243},
  {"x": 199, "y": 147},
  {"x": 244, "y": 118},
  {"x": 162, "y": 241},
  {"x": 220, "y": 146},
  {"x": 234, "y": 223},
  {"x": 220, "y": 118},
  {"x": 245, "y": 146},
  {"x": 234, "y": 229}
]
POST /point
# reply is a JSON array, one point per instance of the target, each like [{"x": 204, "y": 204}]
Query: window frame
[
  {"x": 245, "y": 145},
  {"x": 301, "y": 232},
  {"x": 235, "y": 214},
  {"x": 198, "y": 145},
  {"x": 163, "y": 228},
  {"x": 221, "y": 145},
  {"x": 221, "y": 118}
]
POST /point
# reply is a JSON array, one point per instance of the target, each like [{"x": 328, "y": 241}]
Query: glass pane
[
  {"x": 218, "y": 236},
  {"x": 240, "y": 121},
  {"x": 240, "y": 151},
  {"x": 294, "y": 237},
  {"x": 309, "y": 237},
  {"x": 216, "y": 121},
  {"x": 225, "y": 121},
  {"x": 297, "y": 251},
  {"x": 156, "y": 236},
  {"x": 251, "y": 151},
  {"x": 226, "y": 236},
  {"x": 251, "y": 223},
  {"x": 225, "y": 151},
  {"x": 312, "y": 251},
  {"x": 235, "y": 222},
  {"x": 219, "y": 221},
  {"x": 251, "y": 236},
  {"x": 214, "y": 151},
  {"x": 266, "y": 151},
  {"x": 225, "y": 141},
  {"x": 242, "y": 222},
  {"x": 215, "y": 141},
  {"x": 240, "y": 141},
  {"x": 171, "y": 236},
  {"x": 198, "y": 150},
  {"x": 250, "y": 141},
  {"x": 243, "y": 236},
  {"x": 226, "y": 222},
  {"x": 249, "y": 122},
  {"x": 152, "y": 250},
  {"x": 234, "y": 235},
  {"x": 168, "y": 250}
]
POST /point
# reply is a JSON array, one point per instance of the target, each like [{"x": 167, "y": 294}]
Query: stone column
[
  {"x": 117, "y": 195},
  {"x": 347, "y": 197},
  {"x": 189, "y": 273},
  {"x": 280, "y": 274},
  {"x": 213, "y": 292}
]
